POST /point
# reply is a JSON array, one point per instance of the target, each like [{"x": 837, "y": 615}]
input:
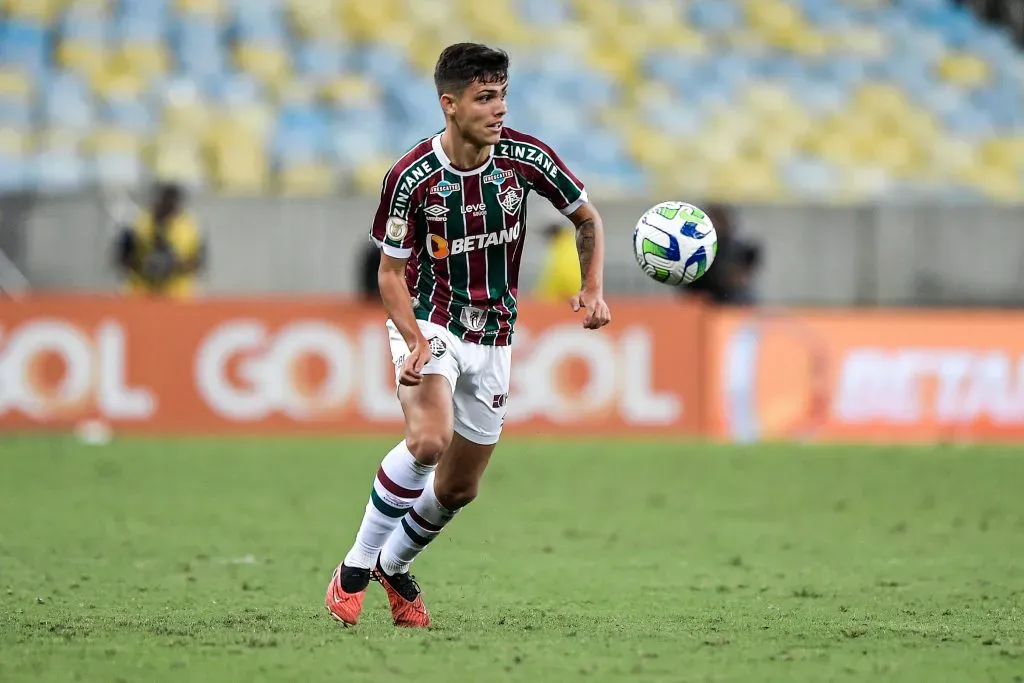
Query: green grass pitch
[{"x": 207, "y": 560}]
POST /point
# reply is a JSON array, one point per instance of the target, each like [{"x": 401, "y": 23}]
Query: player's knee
[
  {"x": 454, "y": 495},
  {"x": 427, "y": 445}
]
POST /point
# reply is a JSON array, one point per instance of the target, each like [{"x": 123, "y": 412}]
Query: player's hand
[
  {"x": 412, "y": 367},
  {"x": 593, "y": 303}
]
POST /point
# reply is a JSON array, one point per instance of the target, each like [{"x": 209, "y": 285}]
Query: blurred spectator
[
  {"x": 369, "y": 263},
  {"x": 560, "y": 276},
  {"x": 161, "y": 252},
  {"x": 730, "y": 280}
]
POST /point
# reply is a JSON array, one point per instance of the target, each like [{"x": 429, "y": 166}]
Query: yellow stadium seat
[
  {"x": 839, "y": 148},
  {"x": 745, "y": 39},
  {"x": 718, "y": 145},
  {"x": 270, "y": 64},
  {"x": 310, "y": 180},
  {"x": 368, "y": 20},
  {"x": 964, "y": 69},
  {"x": 350, "y": 89},
  {"x": 88, "y": 6},
  {"x": 41, "y": 11},
  {"x": 176, "y": 158},
  {"x": 777, "y": 141},
  {"x": 206, "y": 8},
  {"x": 315, "y": 18},
  {"x": 369, "y": 175},
  {"x": 82, "y": 56},
  {"x": 806, "y": 42},
  {"x": 118, "y": 85},
  {"x": 619, "y": 62},
  {"x": 996, "y": 182},
  {"x": 145, "y": 59},
  {"x": 861, "y": 40},
  {"x": 598, "y": 12},
  {"x": 113, "y": 140},
  {"x": 188, "y": 116},
  {"x": 239, "y": 165},
  {"x": 746, "y": 179},
  {"x": 1004, "y": 151},
  {"x": 648, "y": 146},
  {"x": 880, "y": 98},
  {"x": 423, "y": 49},
  {"x": 655, "y": 14},
  {"x": 773, "y": 17},
  {"x": 948, "y": 156},
  {"x": 399, "y": 35},
  {"x": 255, "y": 120},
  {"x": 14, "y": 142},
  {"x": 14, "y": 85}
]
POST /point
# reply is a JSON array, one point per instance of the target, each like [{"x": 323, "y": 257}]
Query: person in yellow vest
[
  {"x": 560, "y": 277},
  {"x": 162, "y": 252}
]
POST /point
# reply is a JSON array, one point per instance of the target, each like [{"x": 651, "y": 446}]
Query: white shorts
[{"x": 478, "y": 375}]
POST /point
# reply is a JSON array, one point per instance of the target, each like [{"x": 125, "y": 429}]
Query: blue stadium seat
[{"x": 25, "y": 45}]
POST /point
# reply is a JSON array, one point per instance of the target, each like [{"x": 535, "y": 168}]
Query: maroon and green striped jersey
[{"x": 463, "y": 231}]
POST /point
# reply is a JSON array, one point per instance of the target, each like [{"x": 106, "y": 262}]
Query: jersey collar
[{"x": 435, "y": 144}]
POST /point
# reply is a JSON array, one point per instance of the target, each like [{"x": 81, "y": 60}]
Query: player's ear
[{"x": 448, "y": 104}]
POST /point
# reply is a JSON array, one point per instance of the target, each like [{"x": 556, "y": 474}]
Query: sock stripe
[
  {"x": 384, "y": 507},
  {"x": 416, "y": 538},
  {"x": 427, "y": 526},
  {"x": 394, "y": 488}
]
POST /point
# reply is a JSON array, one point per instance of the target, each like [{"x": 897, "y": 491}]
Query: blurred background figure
[
  {"x": 161, "y": 251},
  {"x": 730, "y": 280},
  {"x": 559, "y": 277},
  {"x": 367, "y": 264}
]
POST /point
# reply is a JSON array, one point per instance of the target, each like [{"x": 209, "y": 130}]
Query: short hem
[
  {"x": 451, "y": 382},
  {"x": 476, "y": 437}
]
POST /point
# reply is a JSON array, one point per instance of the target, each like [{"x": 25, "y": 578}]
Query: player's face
[{"x": 480, "y": 112}]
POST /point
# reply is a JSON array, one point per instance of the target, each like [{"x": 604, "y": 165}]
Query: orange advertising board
[
  {"x": 305, "y": 365},
  {"x": 883, "y": 376}
]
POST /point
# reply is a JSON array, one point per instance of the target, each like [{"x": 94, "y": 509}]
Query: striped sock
[
  {"x": 399, "y": 482},
  {"x": 420, "y": 526}
]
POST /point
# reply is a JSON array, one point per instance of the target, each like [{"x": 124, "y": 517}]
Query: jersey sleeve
[
  {"x": 392, "y": 230},
  {"x": 552, "y": 178}
]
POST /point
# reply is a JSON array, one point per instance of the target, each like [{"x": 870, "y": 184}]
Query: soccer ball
[{"x": 675, "y": 243}]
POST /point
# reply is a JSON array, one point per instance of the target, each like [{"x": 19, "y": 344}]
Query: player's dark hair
[{"x": 461, "y": 64}]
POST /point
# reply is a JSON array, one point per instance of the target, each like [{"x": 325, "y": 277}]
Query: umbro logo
[{"x": 435, "y": 212}]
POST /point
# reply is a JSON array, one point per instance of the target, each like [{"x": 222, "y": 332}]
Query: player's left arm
[{"x": 590, "y": 247}]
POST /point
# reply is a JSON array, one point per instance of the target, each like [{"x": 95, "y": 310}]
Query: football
[{"x": 675, "y": 243}]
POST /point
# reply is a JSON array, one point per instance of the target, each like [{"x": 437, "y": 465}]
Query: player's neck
[{"x": 463, "y": 154}]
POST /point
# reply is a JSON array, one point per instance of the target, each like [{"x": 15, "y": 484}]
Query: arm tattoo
[{"x": 585, "y": 245}]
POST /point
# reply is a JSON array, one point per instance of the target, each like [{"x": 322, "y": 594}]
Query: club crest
[
  {"x": 437, "y": 347},
  {"x": 510, "y": 200}
]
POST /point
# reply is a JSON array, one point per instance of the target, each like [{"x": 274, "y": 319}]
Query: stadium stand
[{"x": 759, "y": 100}]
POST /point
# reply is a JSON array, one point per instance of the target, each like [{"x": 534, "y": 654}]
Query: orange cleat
[
  {"x": 345, "y": 605},
  {"x": 405, "y": 597}
]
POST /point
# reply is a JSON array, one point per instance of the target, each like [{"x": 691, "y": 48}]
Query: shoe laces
[{"x": 404, "y": 584}]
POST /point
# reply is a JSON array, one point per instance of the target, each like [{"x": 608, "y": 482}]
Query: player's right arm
[
  {"x": 395, "y": 294},
  {"x": 394, "y": 235}
]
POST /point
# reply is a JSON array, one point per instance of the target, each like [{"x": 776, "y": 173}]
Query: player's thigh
[
  {"x": 482, "y": 394},
  {"x": 429, "y": 417},
  {"x": 427, "y": 407}
]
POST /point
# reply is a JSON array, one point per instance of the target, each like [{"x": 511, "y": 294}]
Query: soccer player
[{"x": 450, "y": 225}]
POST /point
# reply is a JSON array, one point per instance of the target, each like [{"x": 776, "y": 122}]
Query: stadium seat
[
  {"x": 239, "y": 164},
  {"x": 874, "y": 96}
]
